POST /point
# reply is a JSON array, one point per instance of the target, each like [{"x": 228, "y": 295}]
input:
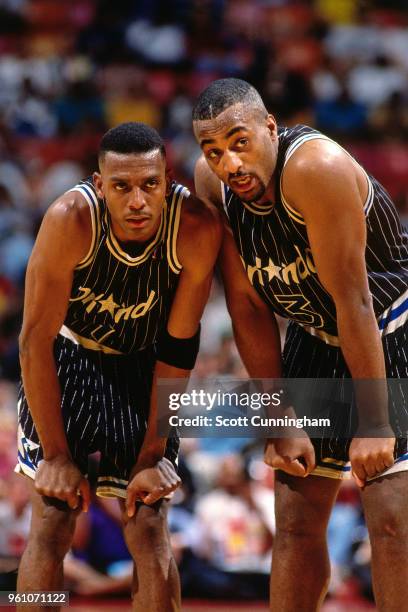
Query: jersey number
[{"x": 298, "y": 309}]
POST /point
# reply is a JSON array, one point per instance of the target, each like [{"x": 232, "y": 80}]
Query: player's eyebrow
[
  {"x": 230, "y": 133},
  {"x": 118, "y": 179}
]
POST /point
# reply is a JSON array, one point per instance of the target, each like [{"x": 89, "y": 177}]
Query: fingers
[
  {"x": 72, "y": 498},
  {"x": 85, "y": 492},
  {"x": 295, "y": 468},
  {"x": 171, "y": 479},
  {"x": 131, "y": 497},
  {"x": 55, "y": 495},
  {"x": 370, "y": 457},
  {"x": 310, "y": 459},
  {"x": 296, "y": 460},
  {"x": 165, "y": 488},
  {"x": 359, "y": 482},
  {"x": 155, "y": 495},
  {"x": 61, "y": 480}
]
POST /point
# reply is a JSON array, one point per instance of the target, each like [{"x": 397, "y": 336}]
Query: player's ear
[
  {"x": 272, "y": 126},
  {"x": 169, "y": 180},
  {"x": 97, "y": 181}
]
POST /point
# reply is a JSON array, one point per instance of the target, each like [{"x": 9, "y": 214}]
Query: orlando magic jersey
[
  {"x": 120, "y": 302},
  {"x": 276, "y": 253}
]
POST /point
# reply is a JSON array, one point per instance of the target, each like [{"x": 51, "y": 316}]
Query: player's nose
[
  {"x": 137, "y": 200},
  {"x": 232, "y": 162}
]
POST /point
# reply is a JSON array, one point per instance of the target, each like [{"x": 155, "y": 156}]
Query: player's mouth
[
  {"x": 243, "y": 183},
  {"x": 138, "y": 222}
]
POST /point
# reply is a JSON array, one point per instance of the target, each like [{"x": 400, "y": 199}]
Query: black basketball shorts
[
  {"x": 308, "y": 356},
  {"x": 105, "y": 401}
]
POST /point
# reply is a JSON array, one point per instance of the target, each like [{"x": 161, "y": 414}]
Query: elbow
[
  {"x": 23, "y": 344},
  {"x": 243, "y": 307},
  {"x": 25, "y": 347},
  {"x": 354, "y": 303},
  {"x": 30, "y": 341}
]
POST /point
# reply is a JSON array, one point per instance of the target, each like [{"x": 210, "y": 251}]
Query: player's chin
[
  {"x": 139, "y": 233},
  {"x": 251, "y": 196}
]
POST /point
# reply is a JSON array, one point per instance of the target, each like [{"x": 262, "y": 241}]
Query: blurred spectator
[
  {"x": 374, "y": 83},
  {"x": 389, "y": 121},
  {"x": 232, "y": 556},
  {"x": 342, "y": 115}
]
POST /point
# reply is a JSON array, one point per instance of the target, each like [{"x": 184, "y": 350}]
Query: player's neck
[{"x": 269, "y": 197}]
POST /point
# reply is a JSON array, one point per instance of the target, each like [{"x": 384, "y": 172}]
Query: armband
[{"x": 178, "y": 352}]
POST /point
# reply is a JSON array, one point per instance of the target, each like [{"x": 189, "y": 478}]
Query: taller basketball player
[{"x": 321, "y": 244}]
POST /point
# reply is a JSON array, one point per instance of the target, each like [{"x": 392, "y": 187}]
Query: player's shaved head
[
  {"x": 130, "y": 138},
  {"x": 222, "y": 94}
]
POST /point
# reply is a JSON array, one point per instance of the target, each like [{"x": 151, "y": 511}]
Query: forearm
[
  {"x": 361, "y": 345},
  {"x": 154, "y": 444},
  {"x": 257, "y": 337},
  {"x": 258, "y": 341},
  {"x": 42, "y": 390}
]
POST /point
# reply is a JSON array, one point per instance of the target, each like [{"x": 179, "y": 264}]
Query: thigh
[{"x": 303, "y": 505}]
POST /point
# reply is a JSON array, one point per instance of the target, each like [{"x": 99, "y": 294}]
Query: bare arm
[
  {"x": 198, "y": 246},
  {"x": 62, "y": 241},
  {"x": 255, "y": 328},
  {"x": 328, "y": 188}
]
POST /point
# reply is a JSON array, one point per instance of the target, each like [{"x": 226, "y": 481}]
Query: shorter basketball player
[{"x": 114, "y": 296}]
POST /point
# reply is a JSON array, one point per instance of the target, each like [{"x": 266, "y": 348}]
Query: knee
[
  {"x": 147, "y": 534},
  {"x": 53, "y": 531},
  {"x": 299, "y": 527},
  {"x": 387, "y": 523}
]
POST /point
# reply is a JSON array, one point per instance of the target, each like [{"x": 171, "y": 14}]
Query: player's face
[
  {"x": 241, "y": 147},
  {"x": 134, "y": 188}
]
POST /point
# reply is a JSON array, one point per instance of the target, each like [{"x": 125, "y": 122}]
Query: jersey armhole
[
  {"x": 294, "y": 214},
  {"x": 92, "y": 201},
  {"x": 179, "y": 194}
]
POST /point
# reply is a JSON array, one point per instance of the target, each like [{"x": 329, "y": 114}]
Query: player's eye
[
  {"x": 212, "y": 154},
  {"x": 152, "y": 183},
  {"x": 242, "y": 142},
  {"x": 120, "y": 186}
]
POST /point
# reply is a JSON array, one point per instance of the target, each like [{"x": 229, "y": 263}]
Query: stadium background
[{"x": 70, "y": 69}]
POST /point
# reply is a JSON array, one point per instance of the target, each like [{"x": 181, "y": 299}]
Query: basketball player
[
  {"x": 321, "y": 244},
  {"x": 114, "y": 295}
]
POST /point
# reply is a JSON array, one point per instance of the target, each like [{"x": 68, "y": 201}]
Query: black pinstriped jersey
[
  {"x": 276, "y": 254},
  {"x": 120, "y": 301}
]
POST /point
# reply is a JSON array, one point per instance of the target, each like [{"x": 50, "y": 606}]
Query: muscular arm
[
  {"x": 329, "y": 189},
  {"x": 255, "y": 328},
  {"x": 63, "y": 240},
  {"x": 198, "y": 245},
  {"x": 256, "y": 331}
]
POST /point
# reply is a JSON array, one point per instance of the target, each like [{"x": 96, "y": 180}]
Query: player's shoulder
[
  {"x": 318, "y": 156},
  {"x": 199, "y": 216},
  {"x": 317, "y": 171},
  {"x": 66, "y": 228},
  {"x": 207, "y": 184},
  {"x": 200, "y": 232},
  {"x": 70, "y": 211}
]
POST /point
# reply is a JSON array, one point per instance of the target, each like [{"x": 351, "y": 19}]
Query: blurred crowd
[{"x": 71, "y": 69}]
